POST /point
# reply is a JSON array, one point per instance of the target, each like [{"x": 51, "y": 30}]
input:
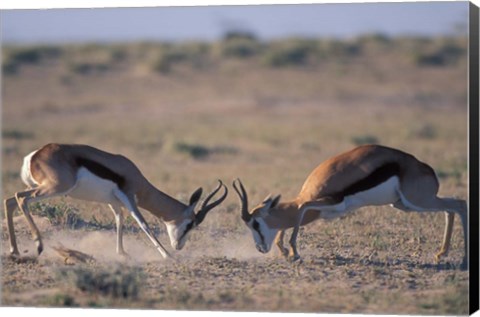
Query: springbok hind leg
[
  {"x": 451, "y": 206},
  {"x": 11, "y": 205},
  {"x": 447, "y": 236},
  {"x": 34, "y": 195},
  {"x": 22, "y": 199}
]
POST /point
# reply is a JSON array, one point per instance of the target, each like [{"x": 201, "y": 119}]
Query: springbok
[
  {"x": 87, "y": 173},
  {"x": 369, "y": 175}
]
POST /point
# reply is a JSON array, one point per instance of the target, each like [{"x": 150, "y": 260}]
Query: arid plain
[{"x": 189, "y": 114}]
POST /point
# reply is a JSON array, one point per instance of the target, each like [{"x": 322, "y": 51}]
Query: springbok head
[
  {"x": 257, "y": 219},
  {"x": 178, "y": 231}
]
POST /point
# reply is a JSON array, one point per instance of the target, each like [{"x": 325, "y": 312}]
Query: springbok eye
[{"x": 187, "y": 229}]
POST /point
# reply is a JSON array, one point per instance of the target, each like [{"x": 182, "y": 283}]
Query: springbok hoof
[
  {"x": 294, "y": 258},
  {"x": 284, "y": 253},
  {"x": 39, "y": 248},
  {"x": 14, "y": 253},
  {"x": 439, "y": 255}
]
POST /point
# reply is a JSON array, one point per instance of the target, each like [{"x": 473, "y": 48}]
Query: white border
[{"x": 50, "y": 4}]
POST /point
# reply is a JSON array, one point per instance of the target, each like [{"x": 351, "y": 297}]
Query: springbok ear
[
  {"x": 269, "y": 204},
  {"x": 267, "y": 199},
  {"x": 196, "y": 196},
  {"x": 275, "y": 201}
]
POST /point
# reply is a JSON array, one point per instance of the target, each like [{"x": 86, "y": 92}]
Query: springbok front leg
[
  {"x": 117, "y": 211},
  {"x": 279, "y": 243},
  {"x": 129, "y": 204},
  {"x": 329, "y": 205}
]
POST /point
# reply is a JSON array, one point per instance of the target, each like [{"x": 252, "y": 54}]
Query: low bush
[
  {"x": 15, "y": 57},
  {"x": 289, "y": 53},
  {"x": 447, "y": 53},
  {"x": 365, "y": 139},
  {"x": 120, "y": 282},
  {"x": 17, "y": 134},
  {"x": 240, "y": 48},
  {"x": 59, "y": 215}
]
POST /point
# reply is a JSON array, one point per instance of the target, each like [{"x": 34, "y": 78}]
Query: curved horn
[
  {"x": 207, "y": 207},
  {"x": 243, "y": 200},
  {"x": 195, "y": 196}
]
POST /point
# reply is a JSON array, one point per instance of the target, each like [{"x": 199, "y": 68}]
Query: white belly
[
  {"x": 383, "y": 194},
  {"x": 93, "y": 188}
]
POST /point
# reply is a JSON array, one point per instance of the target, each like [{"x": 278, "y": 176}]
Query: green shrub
[
  {"x": 240, "y": 48},
  {"x": 377, "y": 38},
  {"x": 60, "y": 300},
  {"x": 33, "y": 55},
  {"x": 239, "y": 35},
  {"x": 196, "y": 151},
  {"x": 335, "y": 49},
  {"x": 60, "y": 215},
  {"x": 365, "y": 139},
  {"x": 15, "y": 57},
  {"x": 448, "y": 53},
  {"x": 9, "y": 67},
  {"x": 426, "y": 131},
  {"x": 199, "y": 151},
  {"x": 239, "y": 44},
  {"x": 289, "y": 53},
  {"x": 120, "y": 282},
  {"x": 86, "y": 68},
  {"x": 17, "y": 134},
  {"x": 194, "y": 54},
  {"x": 167, "y": 57}
]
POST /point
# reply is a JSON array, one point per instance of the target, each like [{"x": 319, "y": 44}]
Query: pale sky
[{"x": 211, "y": 22}]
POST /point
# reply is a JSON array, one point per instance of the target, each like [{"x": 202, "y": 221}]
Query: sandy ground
[
  {"x": 221, "y": 270},
  {"x": 268, "y": 126}
]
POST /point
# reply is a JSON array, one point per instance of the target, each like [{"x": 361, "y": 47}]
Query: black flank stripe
[
  {"x": 379, "y": 176},
  {"x": 101, "y": 171}
]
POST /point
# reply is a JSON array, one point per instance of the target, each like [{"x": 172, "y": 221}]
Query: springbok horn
[
  {"x": 207, "y": 207},
  {"x": 243, "y": 200}
]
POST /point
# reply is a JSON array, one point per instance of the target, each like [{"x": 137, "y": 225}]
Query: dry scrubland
[{"x": 191, "y": 113}]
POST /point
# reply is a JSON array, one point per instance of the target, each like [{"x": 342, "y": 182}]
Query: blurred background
[
  {"x": 264, "y": 93},
  {"x": 211, "y": 23},
  {"x": 226, "y": 82}
]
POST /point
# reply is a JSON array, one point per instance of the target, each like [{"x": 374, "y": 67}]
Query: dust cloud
[{"x": 102, "y": 246}]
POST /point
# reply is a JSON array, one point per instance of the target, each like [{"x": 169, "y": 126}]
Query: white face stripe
[
  {"x": 263, "y": 235},
  {"x": 176, "y": 233}
]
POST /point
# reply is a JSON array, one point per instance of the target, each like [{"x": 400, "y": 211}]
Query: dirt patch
[
  {"x": 230, "y": 274},
  {"x": 268, "y": 126}
]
